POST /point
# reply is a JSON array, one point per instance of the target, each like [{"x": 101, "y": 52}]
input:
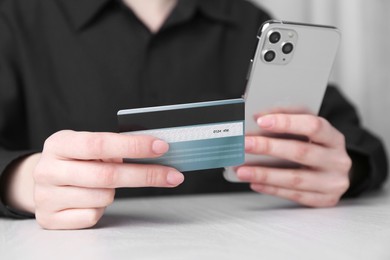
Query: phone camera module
[
  {"x": 269, "y": 56},
  {"x": 274, "y": 37},
  {"x": 278, "y": 45},
  {"x": 287, "y": 48}
]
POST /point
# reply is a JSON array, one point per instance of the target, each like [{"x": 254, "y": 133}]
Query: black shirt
[{"x": 71, "y": 64}]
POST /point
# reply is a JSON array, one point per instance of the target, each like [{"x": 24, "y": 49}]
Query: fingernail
[
  {"x": 249, "y": 143},
  {"x": 174, "y": 178},
  {"x": 160, "y": 147},
  {"x": 265, "y": 122},
  {"x": 244, "y": 174}
]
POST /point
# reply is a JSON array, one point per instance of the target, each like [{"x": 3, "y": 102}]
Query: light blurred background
[{"x": 362, "y": 68}]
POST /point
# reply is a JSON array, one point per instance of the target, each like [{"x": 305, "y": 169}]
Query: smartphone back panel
[
  {"x": 289, "y": 73},
  {"x": 292, "y": 82}
]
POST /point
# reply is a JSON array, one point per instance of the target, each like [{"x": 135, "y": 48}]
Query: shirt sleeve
[
  {"x": 369, "y": 160},
  {"x": 12, "y": 144}
]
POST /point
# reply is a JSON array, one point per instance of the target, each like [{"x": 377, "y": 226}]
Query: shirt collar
[
  {"x": 218, "y": 10},
  {"x": 80, "y": 12},
  {"x": 83, "y": 11}
]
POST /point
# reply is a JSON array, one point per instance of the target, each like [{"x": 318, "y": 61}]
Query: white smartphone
[{"x": 289, "y": 73}]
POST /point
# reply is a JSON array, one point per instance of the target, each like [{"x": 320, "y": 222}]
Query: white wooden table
[{"x": 223, "y": 226}]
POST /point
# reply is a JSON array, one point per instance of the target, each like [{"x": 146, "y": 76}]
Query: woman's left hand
[{"x": 324, "y": 175}]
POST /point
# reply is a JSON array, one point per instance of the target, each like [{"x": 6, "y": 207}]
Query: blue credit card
[{"x": 201, "y": 135}]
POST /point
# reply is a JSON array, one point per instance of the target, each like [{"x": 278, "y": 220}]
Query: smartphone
[{"x": 288, "y": 73}]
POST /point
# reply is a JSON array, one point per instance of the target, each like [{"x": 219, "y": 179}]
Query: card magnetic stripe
[{"x": 232, "y": 110}]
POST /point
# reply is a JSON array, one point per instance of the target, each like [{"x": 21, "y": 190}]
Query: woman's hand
[
  {"x": 324, "y": 175},
  {"x": 77, "y": 173}
]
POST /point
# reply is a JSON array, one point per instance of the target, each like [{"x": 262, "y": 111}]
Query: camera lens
[
  {"x": 287, "y": 48},
  {"x": 274, "y": 37},
  {"x": 269, "y": 56}
]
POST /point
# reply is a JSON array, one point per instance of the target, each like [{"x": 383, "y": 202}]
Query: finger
[
  {"x": 294, "y": 179},
  {"x": 70, "y": 218},
  {"x": 317, "y": 129},
  {"x": 283, "y": 110},
  {"x": 296, "y": 151},
  {"x": 95, "y": 174},
  {"x": 89, "y": 146},
  {"x": 68, "y": 197},
  {"x": 311, "y": 199}
]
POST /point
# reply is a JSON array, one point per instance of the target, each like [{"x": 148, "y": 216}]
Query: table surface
[{"x": 223, "y": 226}]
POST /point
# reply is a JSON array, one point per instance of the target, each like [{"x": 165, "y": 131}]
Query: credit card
[{"x": 201, "y": 135}]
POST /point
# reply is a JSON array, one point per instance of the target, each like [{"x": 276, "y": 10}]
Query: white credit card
[{"x": 201, "y": 135}]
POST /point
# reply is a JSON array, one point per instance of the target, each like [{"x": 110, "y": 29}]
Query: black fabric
[{"x": 72, "y": 64}]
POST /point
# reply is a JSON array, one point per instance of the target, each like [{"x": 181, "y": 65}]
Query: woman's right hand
[{"x": 77, "y": 173}]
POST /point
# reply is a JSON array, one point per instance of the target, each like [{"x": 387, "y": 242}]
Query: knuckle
[
  {"x": 107, "y": 175},
  {"x": 336, "y": 186},
  {"x": 265, "y": 146},
  {"x": 44, "y": 220},
  {"x": 95, "y": 144},
  {"x": 272, "y": 190},
  {"x": 106, "y": 197},
  {"x": 152, "y": 177},
  {"x": 91, "y": 217},
  {"x": 296, "y": 196},
  {"x": 51, "y": 139},
  {"x": 324, "y": 201},
  {"x": 285, "y": 122},
  {"x": 341, "y": 139},
  {"x": 135, "y": 147},
  {"x": 261, "y": 175},
  {"x": 344, "y": 163},
  {"x": 41, "y": 197},
  {"x": 315, "y": 126},
  {"x": 50, "y": 142},
  {"x": 39, "y": 174},
  {"x": 342, "y": 186},
  {"x": 111, "y": 196},
  {"x": 296, "y": 179},
  {"x": 301, "y": 152},
  {"x": 330, "y": 202}
]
